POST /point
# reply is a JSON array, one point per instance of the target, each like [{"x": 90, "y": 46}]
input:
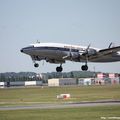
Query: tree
[{"x": 72, "y": 75}]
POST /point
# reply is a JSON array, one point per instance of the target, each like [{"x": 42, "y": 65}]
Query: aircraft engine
[{"x": 91, "y": 52}]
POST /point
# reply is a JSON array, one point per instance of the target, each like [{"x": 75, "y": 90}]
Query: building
[
  {"x": 21, "y": 83},
  {"x": 61, "y": 81},
  {"x": 86, "y": 81},
  {"x": 110, "y": 78}
]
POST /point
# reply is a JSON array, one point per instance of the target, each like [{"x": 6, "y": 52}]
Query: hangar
[
  {"x": 61, "y": 81},
  {"x": 21, "y": 83}
]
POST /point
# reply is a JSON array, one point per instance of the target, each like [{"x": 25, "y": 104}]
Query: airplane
[{"x": 59, "y": 53}]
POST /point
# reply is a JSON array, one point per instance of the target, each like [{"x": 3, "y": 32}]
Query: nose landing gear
[{"x": 36, "y": 65}]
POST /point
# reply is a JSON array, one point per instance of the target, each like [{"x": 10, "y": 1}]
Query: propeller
[
  {"x": 86, "y": 50},
  {"x": 86, "y": 53},
  {"x": 69, "y": 55}
]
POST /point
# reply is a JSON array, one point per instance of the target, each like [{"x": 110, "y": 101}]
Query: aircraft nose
[{"x": 21, "y": 50}]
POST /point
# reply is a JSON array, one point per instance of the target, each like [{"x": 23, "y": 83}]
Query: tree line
[{"x": 31, "y": 76}]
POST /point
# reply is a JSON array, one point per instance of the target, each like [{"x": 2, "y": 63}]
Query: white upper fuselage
[{"x": 81, "y": 49}]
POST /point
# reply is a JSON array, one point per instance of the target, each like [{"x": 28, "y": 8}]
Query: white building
[
  {"x": 61, "y": 81},
  {"x": 85, "y": 81}
]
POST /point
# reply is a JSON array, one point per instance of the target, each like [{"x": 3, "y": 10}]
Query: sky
[{"x": 79, "y": 22}]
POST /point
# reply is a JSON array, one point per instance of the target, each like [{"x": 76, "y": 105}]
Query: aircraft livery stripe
[{"x": 54, "y": 48}]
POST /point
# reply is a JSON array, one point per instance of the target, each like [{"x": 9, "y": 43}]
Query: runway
[{"x": 62, "y": 105}]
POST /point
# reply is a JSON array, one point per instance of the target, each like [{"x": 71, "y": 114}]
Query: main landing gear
[
  {"x": 84, "y": 67},
  {"x": 59, "y": 69}
]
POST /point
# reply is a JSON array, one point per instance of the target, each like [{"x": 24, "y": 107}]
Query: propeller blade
[
  {"x": 86, "y": 50},
  {"x": 69, "y": 55},
  {"x": 65, "y": 57}
]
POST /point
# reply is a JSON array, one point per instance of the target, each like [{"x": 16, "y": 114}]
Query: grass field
[
  {"x": 13, "y": 96},
  {"x": 82, "y": 113},
  {"x": 37, "y": 95}
]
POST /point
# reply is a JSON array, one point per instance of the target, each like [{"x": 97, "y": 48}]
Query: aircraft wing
[
  {"x": 103, "y": 53},
  {"x": 113, "y": 50}
]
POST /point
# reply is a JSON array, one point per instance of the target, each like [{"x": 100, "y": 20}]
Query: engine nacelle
[
  {"x": 92, "y": 51},
  {"x": 89, "y": 52}
]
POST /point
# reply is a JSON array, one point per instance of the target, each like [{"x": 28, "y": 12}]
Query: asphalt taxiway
[{"x": 62, "y": 105}]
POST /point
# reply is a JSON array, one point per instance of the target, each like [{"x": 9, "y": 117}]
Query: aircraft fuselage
[{"x": 59, "y": 53}]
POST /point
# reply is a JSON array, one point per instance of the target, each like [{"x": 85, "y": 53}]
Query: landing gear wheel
[
  {"x": 59, "y": 69},
  {"x": 84, "y": 67},
  {"x": 36, "y": 65}
]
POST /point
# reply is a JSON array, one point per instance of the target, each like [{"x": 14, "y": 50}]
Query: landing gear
[
  {"x": 59, "y": 69},
  {"x": 84, "y": 67},
  {"x": 36, "y": 65}
]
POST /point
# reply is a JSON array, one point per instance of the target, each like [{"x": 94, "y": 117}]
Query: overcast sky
[{"x": 80, "y": 22}]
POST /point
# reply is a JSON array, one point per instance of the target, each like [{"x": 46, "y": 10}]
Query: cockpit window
[{"x": 31, "y": 46}]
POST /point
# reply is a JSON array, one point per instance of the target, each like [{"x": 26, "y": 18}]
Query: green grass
[
  {"x": 37, "y": 95},
  {"x": 82, "y": 113},
  {"x": 48, "y": 94}
]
